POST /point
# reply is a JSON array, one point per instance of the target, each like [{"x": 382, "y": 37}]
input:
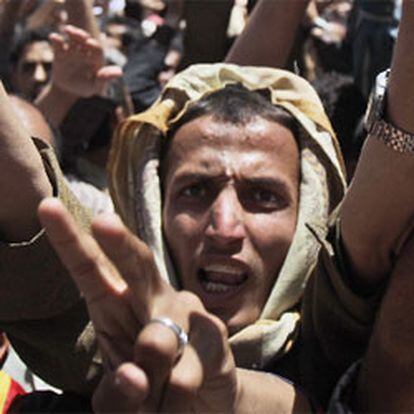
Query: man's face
[
  {"x": 230, "y": 208},
  {"x": 114, "y": 34},
  {"x": 33, "y": 69}
]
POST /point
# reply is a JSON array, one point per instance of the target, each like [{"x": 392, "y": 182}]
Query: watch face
[
  {"x": 369, "y": 117},
  {"x": 375, "y": 109},
  {"x": 376, "y": 102}
]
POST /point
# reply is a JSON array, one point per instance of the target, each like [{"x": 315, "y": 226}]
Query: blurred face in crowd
[
  {"x": 33, "y": 69},
  {"x": 230, "y": 210},
  {"x": 114, "y": 35}
]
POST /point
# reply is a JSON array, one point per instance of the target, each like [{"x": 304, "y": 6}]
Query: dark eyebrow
[
  {"x": 281, "y": 186},
  {"x": 199, "y": 177},
  {"x": 268, "y": 182},
  {"x": 265, "y": 181}
]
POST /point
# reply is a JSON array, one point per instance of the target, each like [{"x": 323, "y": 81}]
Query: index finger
[
  {"x": 90, "y": 269},
  {"x": 132, "y": 257}
]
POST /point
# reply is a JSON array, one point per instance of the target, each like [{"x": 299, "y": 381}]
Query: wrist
[
  {"x": 55, "y": 103},
  {"x": 63, "y": 94},
  {"x": 264, "y": 392}
]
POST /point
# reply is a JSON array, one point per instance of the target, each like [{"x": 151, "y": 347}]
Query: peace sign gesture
[{"x": 138, "y": 318}]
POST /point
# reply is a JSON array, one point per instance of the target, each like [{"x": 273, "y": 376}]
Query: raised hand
[
  {"x": 118, "y": 277},
  {"x": 79, "y": 65}
]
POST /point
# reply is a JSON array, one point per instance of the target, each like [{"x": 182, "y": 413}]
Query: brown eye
[
  {"x": 28, "y": 67},
  {"x": 195, "y": 191},
  {"x": 264, "y": 196},
  {"x": 262, "y": 199},
  {"x": 47, "y": 66}
]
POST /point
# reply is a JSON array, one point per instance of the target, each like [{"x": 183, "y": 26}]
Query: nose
[
  {"x": 226, "y": 224},
  {"x": 40, "y": 74}
]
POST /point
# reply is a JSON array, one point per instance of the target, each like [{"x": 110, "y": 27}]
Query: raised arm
[
  {"x": 8, "y": 20},
  {"x": 377, "y": 214},
  {"x": 46, "y": 14},
  {"x": 269, "y": 34},
  {"x": 386, "y": 382},
  {"x": 23, "y": 181},
  {"x": 80, "y": 14},
  {"x": 79, "y": 70}
]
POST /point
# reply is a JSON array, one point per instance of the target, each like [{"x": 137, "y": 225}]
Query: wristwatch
[
  {"x": 376, "y": 102},
  {"x": 376, "y": 125}
]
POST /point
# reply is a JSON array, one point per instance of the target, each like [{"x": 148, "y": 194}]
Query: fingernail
[{"x": 131, "y": 382}]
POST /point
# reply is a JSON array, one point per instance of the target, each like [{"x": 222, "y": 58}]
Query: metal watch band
[{"x": 393, "y": 137}]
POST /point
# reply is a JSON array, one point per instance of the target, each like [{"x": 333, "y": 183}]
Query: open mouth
[{"x": 220, "y": 279}]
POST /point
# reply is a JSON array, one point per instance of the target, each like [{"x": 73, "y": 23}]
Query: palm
[{"x": 78, "y": 66}]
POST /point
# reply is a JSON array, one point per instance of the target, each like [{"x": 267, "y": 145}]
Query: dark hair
[
  {"x": 27, "y": 37},
  {"x": 344, "y": 105},
  {"x": 234, "y": 104},
  {"x": 237, "y": 105},
  {"x": 86, "y": 127},
  {"x": 90, "y": 122}
]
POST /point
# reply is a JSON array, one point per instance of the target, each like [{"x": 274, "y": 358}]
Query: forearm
[
  {"x": 378, "y": 209},
  {"x": 377, "y": 212},
  {"x": 43, "y": 15},
  {"x": 400, "y": 103},
  {"x": 261, "y": 392},
  {"x": 386, "y": 382},
  {"x": 55, "y": 103},
  {"x": 8, "y": 17},
  {"x": 269, "y": 34},
  {"x": 80, "y": 14},
  {"x": 23, "y": 182}
]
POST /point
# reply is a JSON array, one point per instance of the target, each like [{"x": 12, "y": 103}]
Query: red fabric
[{"x": 9, "y": 389}]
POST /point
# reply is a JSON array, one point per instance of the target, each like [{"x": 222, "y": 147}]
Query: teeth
[
  {"x": 215, "y": 287},
  {"x": 219, "y": 268},
  {"x": 221, "y": 278}
]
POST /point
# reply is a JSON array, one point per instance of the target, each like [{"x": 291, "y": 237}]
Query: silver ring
[{"x": 182, "y": 337}]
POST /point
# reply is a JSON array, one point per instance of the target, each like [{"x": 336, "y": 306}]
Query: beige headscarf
[{"x": 135, "y": 188}]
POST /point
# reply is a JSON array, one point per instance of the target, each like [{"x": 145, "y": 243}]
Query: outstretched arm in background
[
  {"x": 8, "y": 22},
  {"x": 269, "y": 34},
  {"x": 80, "y": 14},
  {"x": 386, "y": 382},
  {"x": 377, "y": 214}
]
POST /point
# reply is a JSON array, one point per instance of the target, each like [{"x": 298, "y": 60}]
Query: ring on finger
[{"x": 182, "y": 337}]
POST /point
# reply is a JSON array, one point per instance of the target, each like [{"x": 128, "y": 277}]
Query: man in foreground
[{"x": 371, "y": 241}]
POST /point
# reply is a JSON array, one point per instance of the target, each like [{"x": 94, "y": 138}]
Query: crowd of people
[{"x": 206, "y": 206}]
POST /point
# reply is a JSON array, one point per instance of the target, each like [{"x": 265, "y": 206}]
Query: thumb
[{"x": 104, "y": 75}]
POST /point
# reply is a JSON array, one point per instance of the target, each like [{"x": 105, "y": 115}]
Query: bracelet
[{"x": 393, "y": 137}]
